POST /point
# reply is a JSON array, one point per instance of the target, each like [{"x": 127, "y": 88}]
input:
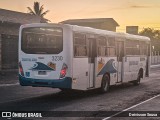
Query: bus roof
[
  {"x": 137, "y": 37},
  {"x": 110, "y": 33},
  {"x": 91, "y": 30}
]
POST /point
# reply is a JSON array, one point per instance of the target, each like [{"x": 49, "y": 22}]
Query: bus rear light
[
  {"x": 21, "y": 69},
  {"x": 63, "y": 71}
]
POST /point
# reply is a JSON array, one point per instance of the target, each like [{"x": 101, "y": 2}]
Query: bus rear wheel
[{"x": 105, "y": 84}]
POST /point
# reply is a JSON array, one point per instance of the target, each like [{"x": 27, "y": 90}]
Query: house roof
[
  {"x": 18, "y": 17},
  {"x": 91, "y": 20}
]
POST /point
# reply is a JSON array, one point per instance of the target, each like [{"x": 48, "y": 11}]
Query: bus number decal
[{"x": 57, "y": 58}]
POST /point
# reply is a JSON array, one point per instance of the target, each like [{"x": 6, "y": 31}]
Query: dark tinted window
[
  {"x": 42, "y": 40},
  {"x": 132, "y": 47},
  {"x": 102, "y": 44},
  {"x": 111, "y": 41},
  {"x": 80, "y": 45},
  {"x": 143, "y": 48},
  {"x": 111, "y": 51},
  {"x": 102, "y": 41}
]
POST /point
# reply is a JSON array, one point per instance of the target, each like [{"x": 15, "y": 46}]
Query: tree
[
  {"x": 149, "y": 32},
  {"x": 38, "y": 10},
  {"x": 154, "y": 35}
]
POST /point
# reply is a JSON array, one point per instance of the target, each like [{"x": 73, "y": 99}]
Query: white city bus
[{"x": 81, "y": 58}]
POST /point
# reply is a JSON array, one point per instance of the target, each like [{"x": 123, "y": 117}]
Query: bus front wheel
[{"x": 105, "y": 84}]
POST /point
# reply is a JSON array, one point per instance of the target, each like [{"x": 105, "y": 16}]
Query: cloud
[{"x": 140, "y": 6}]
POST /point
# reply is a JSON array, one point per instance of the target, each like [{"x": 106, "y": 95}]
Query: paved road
[
  {"x": 120, "y": 97},
  {"x": 145, "y": 110}
]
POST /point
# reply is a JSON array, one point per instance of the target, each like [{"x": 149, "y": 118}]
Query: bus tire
[
  {"x": 105, "y": 83},
  {"x": 65, "y": 90}
]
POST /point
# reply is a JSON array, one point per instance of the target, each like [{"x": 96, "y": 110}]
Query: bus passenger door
[
  {"x": 120, "y": 54},
  {"x": 91, "y": 61}
]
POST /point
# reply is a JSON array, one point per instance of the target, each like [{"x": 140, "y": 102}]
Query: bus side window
[
  {"x": 80, "y": 45},
  {"x": 132, "y": 47},
  {"x": 111, "y": 49},
  {"x": 143, "y": 48},
  {"x": 102, "y": 44}
]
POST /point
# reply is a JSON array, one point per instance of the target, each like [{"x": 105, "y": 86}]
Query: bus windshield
[{"x": 42, "y": 40}]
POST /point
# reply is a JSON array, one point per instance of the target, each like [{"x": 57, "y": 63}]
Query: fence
[{"x": 155, "y": 58}]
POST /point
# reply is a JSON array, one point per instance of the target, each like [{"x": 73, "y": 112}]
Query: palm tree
[{"x": 38, "y": 10}]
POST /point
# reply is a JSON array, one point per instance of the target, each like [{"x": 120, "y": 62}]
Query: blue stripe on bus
[
  {"x": 55, "y": 83},
  {"x": 41, "y": 66},
  {"x": 108, "y": 67}
]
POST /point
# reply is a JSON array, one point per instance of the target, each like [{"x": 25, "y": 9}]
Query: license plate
[{"x": 42, "y": 72}]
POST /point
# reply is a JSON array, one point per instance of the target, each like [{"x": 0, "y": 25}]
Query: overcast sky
[{"x": 144, "y": 13}]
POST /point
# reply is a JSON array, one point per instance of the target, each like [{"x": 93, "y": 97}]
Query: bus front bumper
[{"x": 55, "y": 83}]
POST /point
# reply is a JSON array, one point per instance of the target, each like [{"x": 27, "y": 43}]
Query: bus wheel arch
[
  {"x": 105, "y": 83},
  {"x": 139, "y": 76}
]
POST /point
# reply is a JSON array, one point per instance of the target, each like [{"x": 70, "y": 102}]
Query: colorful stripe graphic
[
  {"x": 108, "y": 67},
  {"x": 41, "y": 66}
]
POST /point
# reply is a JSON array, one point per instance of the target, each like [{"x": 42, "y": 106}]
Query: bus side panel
[
  {"x": 68, "y": 49},
  {"x": 106, "y": 65},
  {"x": 132, "y": 65},
  {"x": 127, "y": 73},
  {"x": 143, "y": 65},
  {"x": 113, "y": 75},
  {"x": 80, "y": 73}
]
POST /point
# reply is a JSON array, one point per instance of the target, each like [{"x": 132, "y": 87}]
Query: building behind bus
[{"x": 10, "y": 22}]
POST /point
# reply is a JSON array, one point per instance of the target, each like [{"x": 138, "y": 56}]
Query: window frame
[
  {"x": 109, "y": 46},
  {"x": 84, "y": 45},
  {"x": 132, "y": 47},
  {"x": 143, "y": 46},
  {"x": 99, "y": 46},
  {"x": 46, "y": 27}
]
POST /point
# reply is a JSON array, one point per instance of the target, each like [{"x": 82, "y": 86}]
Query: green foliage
[
  {"x": 151, "y": 33},
  {"x": 38, "y": 10},
  {"x": 154, "y": 35}
]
